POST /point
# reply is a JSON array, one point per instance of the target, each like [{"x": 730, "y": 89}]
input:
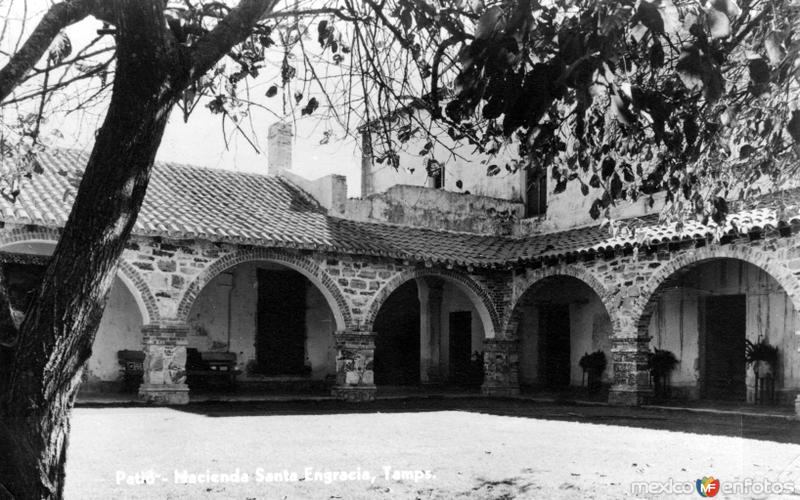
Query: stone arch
[
  {"x": 143, "y": 296},
  {"x": 652, "y": 289},
  {"x": 305, "y": 266},
  {"x": 128, "y": 274},
  {"x": 476, "y": 293},
  {"x": 578, "y": 272}
]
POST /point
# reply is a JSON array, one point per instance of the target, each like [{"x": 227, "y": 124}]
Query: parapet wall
[{"x": 437, "y": 209}]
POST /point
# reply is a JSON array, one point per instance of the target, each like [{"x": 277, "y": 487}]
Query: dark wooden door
[
  {"x": 460, "y": 346},
  {"x": 281, "y": 336},
  {"x": 397, "y": 341},
  {"x": 724, "y": 347},
  {"x": 554, "y": 345}
]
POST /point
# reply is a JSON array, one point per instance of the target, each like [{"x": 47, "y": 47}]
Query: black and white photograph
[{"x": 399, "y": 249}]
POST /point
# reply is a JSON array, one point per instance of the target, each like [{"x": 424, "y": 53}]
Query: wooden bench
[{"x": 207, "y": 367}]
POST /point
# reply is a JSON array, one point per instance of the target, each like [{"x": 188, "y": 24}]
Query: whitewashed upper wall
[{"x": 565, "y": 210}]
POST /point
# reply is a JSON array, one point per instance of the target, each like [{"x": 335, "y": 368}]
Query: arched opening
[
  {"x": 558, "y": 320},
  {"x": 705, "y": 312},
  {"x": 120, "y": 330},
  {"x": 397, "y": 345},
  {"x": 429, "y": 332},
  {"x": 272, "y": 323},
  {"x": 120, "y": 327}
]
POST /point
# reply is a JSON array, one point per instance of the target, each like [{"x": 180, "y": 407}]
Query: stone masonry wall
[{"x": 166, "y": 275}]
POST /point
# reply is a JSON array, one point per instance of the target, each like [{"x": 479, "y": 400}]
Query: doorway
[
  {"x": 397, "y": 348},
  {"x": 725, "y": 333},
  {"x": 281, "y": 336},
  {"x": 460, "y": 340},
  {"x": 554, "y": 345}
]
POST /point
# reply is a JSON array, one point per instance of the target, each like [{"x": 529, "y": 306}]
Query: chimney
[
  {"x": 279, "y": 148},
  {"x": 367, "y": 187}
]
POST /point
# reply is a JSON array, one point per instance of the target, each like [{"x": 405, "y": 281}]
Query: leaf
[
  {"x": 691, "y": 68},
  {"x": 759, "y": 71},
  {"x": 616, "y": 186},
  {"x": 607, "y": 168},
  {"x": 406, "y": 19},
  {"x": 620, "y": 108},
  {"x": 627, "y": 173},
  {"x": 656, "y": 54},
  {"x": 595, "y": 181},
  {"x": 272, "y": 91},
  {"x": 492, "y": 170},
  {"x": 595, "y": 210},
  {"x": 561, "y": 185},
  {"x": 584, "y": 189},
  {"x": 459, "y": 184},
  {"x": 60, "y": 49},
  {"x": 718, "y": 24},
  {"x": 729, "y": 7},
  {"x": 773, "y": 45},
  {"x": 650, "y": 17},
  {"x": 310, "y": 107},
  {"x": 322, "y": 32}
]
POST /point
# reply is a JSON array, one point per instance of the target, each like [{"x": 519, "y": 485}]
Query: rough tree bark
[{"x": 55, "y": 337}]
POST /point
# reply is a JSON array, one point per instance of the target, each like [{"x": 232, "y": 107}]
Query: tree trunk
[{"x": 57, "y": 333}]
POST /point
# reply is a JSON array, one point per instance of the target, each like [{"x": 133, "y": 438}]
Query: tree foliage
[{"x": 697, "y": 99}]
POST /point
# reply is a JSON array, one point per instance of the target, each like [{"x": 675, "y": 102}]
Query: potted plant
[
  {"x": 476, "y": 369},
  {"x": 762, "y": 356},
  {"x": 593, "y": 365},
  {"x": 661, "y": 362}
]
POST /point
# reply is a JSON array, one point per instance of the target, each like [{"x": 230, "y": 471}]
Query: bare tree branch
[
  {"x": 57, "y": 18},
  {"x": 234, "y": 28}
]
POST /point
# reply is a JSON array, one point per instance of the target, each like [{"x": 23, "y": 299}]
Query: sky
[{"x": 201, "y": 140}]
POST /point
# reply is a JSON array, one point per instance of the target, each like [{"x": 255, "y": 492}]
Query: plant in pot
[
  {"x": 593, "y": 366},
  {"x": 661, "y": 362},
  {"x": 762, "y": 356}
]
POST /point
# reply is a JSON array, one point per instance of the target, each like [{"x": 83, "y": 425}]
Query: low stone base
[
  {"x": 163, "y": 394},
  {"x": 354, "y": 394},
  {"x": 628, "y": 398},
  {"x": 500, "y": 390}
]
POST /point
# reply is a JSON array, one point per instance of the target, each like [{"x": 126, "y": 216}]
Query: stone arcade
[{"x": 405, "y": 286}]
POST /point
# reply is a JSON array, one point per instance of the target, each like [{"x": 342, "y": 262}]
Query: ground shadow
[{"x": 781, "y": 430}]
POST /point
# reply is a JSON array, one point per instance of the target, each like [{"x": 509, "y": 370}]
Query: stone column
[
  {"x": 500, "y": 367},
  {"x": 164, "y": 379},
  {"x": 355, "y": 379},
  {"x": 430, "y": 330},
  {"x": 631, "y": 379}
]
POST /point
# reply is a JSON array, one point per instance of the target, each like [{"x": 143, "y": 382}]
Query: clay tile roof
[
  {"x": 220, "y": 205},
  {"x": 757, "y": 215},
  {"x": 224, "y": 206}
]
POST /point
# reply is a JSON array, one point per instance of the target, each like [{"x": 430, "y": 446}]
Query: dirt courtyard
[{"x": 462, "y": 448}]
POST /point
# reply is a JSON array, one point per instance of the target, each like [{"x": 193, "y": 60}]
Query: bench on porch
[
  {"x": 132, "y": 369},
  {"x": 207, "y": 368}
]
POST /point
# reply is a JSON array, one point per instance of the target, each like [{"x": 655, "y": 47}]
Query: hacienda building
[{"x": 284, "y": 283}]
